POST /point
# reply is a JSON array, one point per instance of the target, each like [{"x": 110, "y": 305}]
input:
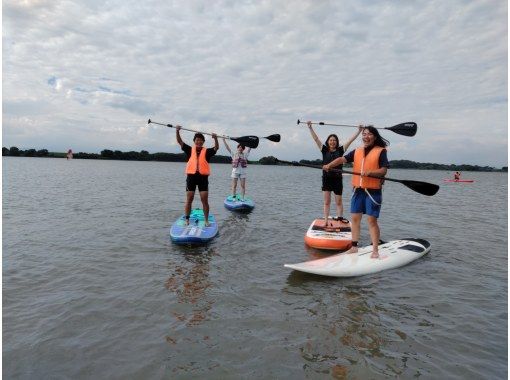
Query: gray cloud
[{"x": 97, "y": 70}]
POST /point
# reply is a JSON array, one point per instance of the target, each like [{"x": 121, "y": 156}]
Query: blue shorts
[{"x": 362, "y": 204}]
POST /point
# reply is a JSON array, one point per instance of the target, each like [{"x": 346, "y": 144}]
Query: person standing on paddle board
[
  {"x": 370, "y": 160},
  {"x": 197, "y": 170},
  {"x": 456, "y": 176},
  {"x": 332, "y": 181},
  {"x": 239, "y": 164}
]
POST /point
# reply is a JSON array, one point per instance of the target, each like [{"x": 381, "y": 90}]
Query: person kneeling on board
[
  {"x": 370, "y": 160},
  {"x": 197, "y": 171}
]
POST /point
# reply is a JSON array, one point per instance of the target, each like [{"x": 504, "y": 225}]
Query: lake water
[{"x": 94, "y": 289}]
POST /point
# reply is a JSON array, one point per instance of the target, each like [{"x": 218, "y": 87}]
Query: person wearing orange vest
[
  {"x": 369, "y": 160},
  {"x": 239, "y": 164},
  {"x": 332, "y": 181},
  {"x": 197, "y": 171}
]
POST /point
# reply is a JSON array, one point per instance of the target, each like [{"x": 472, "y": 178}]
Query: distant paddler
[{"x": 69, "y": 154}]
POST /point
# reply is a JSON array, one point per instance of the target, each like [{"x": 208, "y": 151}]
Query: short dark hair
[{"x": 198, "y": 136}]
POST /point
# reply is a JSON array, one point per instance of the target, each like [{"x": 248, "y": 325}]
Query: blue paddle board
[
  {"x": 195, "y": 232},
  {"x": 236, "y": 204}
]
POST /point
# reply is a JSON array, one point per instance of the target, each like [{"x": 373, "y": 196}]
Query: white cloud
[{"x": 90, "y": 74}]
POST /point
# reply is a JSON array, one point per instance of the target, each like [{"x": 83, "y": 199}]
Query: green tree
[
  {"x": 14, "y": 151},
  {"x": 269, "y": 160}
]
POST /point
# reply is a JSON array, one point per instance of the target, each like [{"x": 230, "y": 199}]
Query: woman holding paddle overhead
[
  {"x": 332, "y": 181},
  {"x": 239, "y": 164},
  {"x": 197, "y": 170},
  {"x": 370, "y": 160}
]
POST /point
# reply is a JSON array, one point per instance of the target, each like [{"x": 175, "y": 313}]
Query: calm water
[{"x": 93, "y": 288}]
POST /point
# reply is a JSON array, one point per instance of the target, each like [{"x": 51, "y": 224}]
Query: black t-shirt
[
  {"x": 208, "y": 153},
  {"x": 328, "y": 156}
]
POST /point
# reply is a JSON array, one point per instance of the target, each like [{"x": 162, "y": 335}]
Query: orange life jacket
[
  {"x": 363, "y": 164},
  {"x": 198, "y": 164}
]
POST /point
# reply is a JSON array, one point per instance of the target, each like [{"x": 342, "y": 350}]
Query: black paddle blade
[
  {"x": 149, "y": 121},
  {"x": 298, "y": 122},
  {"x": 405, "y": 129},
  {"x": 249, "y": 141},
  {"x": 424, "y": 188},
  {"x": 274, "y": 138}
]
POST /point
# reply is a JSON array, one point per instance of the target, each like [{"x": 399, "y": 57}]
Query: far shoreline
[{"x": 144, "y": 155}]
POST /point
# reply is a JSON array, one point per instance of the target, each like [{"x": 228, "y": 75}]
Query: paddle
[
  {"x": 274, "y": 138},
  {"x": 424, "y": 188},
  {"x": 405, "y": 129},
  {"x": 249, "y": 141}
]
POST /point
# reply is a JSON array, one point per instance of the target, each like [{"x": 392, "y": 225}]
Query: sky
[{"x": 87, "y": 75}]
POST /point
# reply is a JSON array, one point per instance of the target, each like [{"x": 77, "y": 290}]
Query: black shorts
[
  {"x": 194, "y": 180},
  {"x": 333, "y": 184}
]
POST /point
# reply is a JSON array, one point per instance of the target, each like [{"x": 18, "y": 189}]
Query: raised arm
[
  {"x": 226, "y": 145},
  {"x": 216, "y": 145},
  {"x": 178, "y": 135},
  {"x": 314, "y": 135},
  {"x": 353, "y": 137}
]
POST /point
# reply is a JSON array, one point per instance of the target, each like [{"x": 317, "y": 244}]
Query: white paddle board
[{"x": 392, "y": 254}]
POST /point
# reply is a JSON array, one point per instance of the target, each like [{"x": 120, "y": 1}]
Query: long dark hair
[
  {"x": 335, "y": 137},
  {"x": 379, "y": 140}
]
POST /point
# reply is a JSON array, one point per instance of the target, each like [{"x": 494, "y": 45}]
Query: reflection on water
[{"x": 189, "y": 280}]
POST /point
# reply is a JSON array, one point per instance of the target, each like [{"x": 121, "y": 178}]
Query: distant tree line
[
  {"x": 402, "y": 164},
  {"x": 144, "y": 155},
  {"x": 108, "y": 154}
]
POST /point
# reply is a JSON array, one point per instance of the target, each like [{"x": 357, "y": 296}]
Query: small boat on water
[{"x": 458, "y": 180}]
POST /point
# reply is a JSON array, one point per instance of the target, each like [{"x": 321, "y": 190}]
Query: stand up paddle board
[
  {"x": 195, "y": 232},
  {"x": 393, "y": 254},
  {"x": 458, "y": 180},
  {"x": 237, "y": 204},
  {"x": 336, "y": 236}
]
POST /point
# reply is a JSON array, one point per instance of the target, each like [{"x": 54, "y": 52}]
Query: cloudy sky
[{"x": 88, "y": 74}]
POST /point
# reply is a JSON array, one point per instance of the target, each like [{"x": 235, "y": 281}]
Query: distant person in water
[
  {"x": 332, "y": 181},
  {"x": 239, "y": 164},
  {"x": 370, "y": 160},
  {"x": 197, "y": 171},
  {"x": 69, "y": 154},
  {"x": 456, "y": 176}
]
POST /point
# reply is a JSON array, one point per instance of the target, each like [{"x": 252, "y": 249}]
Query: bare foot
[
  {"x": 375, "y": 255},
  {"x": 325, "y": 222},
  {"x": 353, "y": 250},
  {"x": 206, "y": 223}
]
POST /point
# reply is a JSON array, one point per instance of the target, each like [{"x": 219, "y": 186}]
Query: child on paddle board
[
  {"x": 369, "y": 160},
  {"x": 239, "y": 164},
  {"x": 197, "y": 171},
  {"x": 332, "y": 181}
]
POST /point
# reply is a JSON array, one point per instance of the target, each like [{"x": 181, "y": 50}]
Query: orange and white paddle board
[{"x": 335, "y": 236}]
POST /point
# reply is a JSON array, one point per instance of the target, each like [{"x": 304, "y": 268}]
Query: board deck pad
[
  {"x": 196, "y": 231},
  {"x": 393, "y": 254},
  {"x": 336, "y": 236},
  {"x": 237, "y": 203}
]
